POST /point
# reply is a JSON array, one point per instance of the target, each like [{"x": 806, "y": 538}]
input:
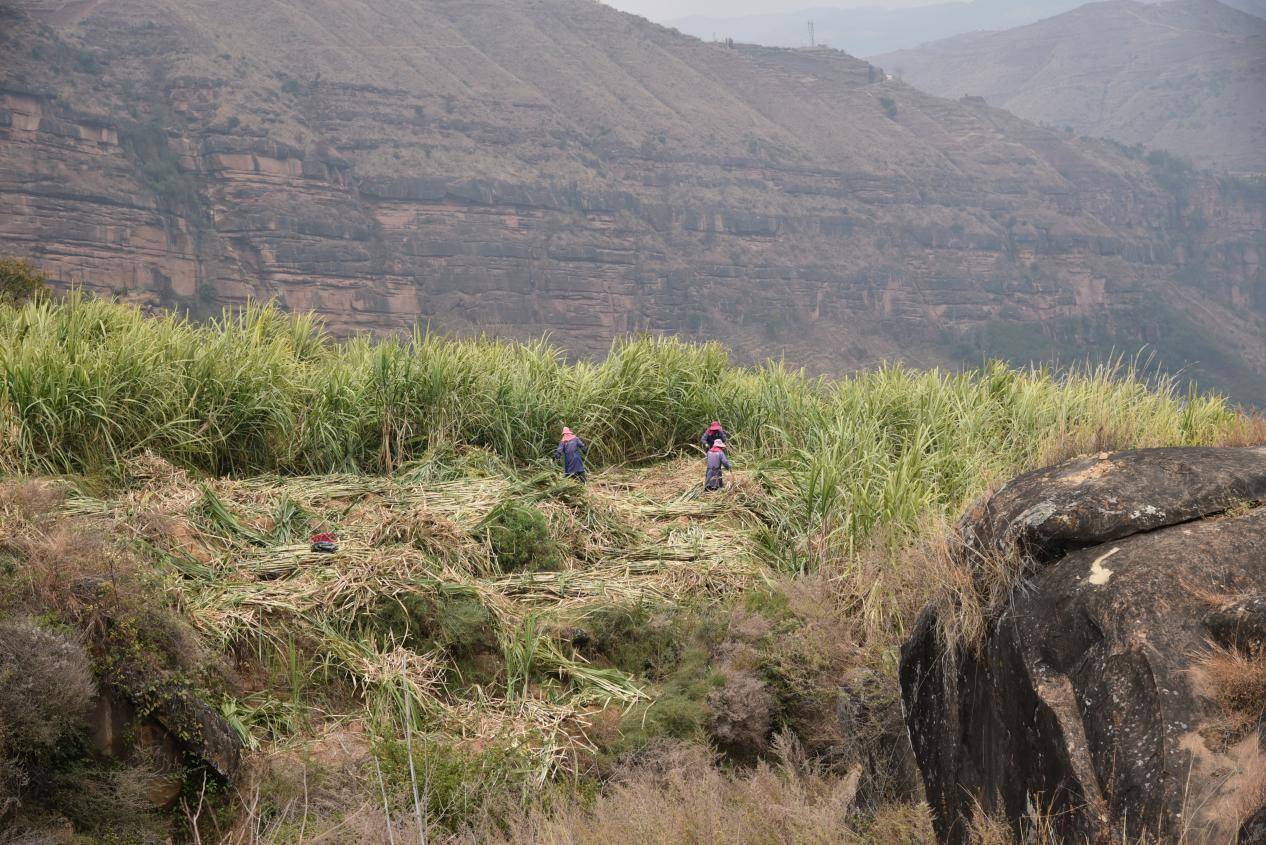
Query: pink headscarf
[
  {"x": 567, "y": 435},
  {"x": 716, "y": 426},
  {"x": 718, "y": 446}
]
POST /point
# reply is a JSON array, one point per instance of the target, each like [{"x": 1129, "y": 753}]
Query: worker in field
[
  {"x": 713, "y": 434},
  {"x": 717, "y": 464},
  {"x": 571, "y": 450}
]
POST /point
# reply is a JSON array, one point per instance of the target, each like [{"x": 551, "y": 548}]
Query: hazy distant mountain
[
  {"x": 1187, "y": 76},
  {"x": 1253, "y": 7},
  {"x": 872, "y": 29}
]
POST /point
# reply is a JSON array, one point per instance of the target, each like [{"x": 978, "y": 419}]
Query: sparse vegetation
[
  {"x": 159, "y": 166},
  {"x": 542, "y": 660}
]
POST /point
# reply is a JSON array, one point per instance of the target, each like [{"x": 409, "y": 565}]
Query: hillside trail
[{"x": 1224, "y": 36}]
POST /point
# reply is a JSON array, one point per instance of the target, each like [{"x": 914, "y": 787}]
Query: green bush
[
  {"x": 462, "y": 786},
  {"x": 20, "y": 281},
  {"x": 519, "y": 538},
  {"x": 638, "y": 639},
  {"x": 680, "y": 711},
  {"x": 454, "y": 619}
]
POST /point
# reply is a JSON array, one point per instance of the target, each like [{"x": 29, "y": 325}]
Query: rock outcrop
[
  {"x": 559, "y": 167},
  {"x": 147, "y": 705},
  {"x": 1087, "y": 698}
]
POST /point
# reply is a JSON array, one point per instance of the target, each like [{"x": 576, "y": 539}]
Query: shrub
[
  {"x": 679, "y": 795},
  {"x": 519, "y": 538},
  {"x": 742, "y": 712},
  {"x": 889, "y": 106},
  {"x": 460, "y": 786},
  {"x": 46, "y": 689},
  {"x": 1235, "y": 681},
  {"x": 454, "y": 619},
  {"x": 636, "y": 638},
  {"x": 20, "y": 281},
  {"x": 86, "y": 62},
  {"x": 680, "y": 711}
]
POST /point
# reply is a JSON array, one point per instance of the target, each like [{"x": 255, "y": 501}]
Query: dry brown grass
[
  {"x": 1248, "y": 429},
  {"x": 1235, "y": 682},
  {"x": 682, "y": 797}
]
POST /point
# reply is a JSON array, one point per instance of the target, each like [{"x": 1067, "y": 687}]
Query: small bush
[
  {"x": 46, "y": 687},
  {"x": 461, "y": 787},
  {"x": 638, "y": 639},
  {"x": 20, "y": 281},
  {"x": 742, "y": 712},
  {"x": 679, "y": 795},
  {"x": 111, "y": 805},
  {"x": 890, "y": 107},
  {"x": 452, "y": 619},
  {"x": 519, "y": 538},
  {"x": 1235, "y": 681},
  {"x": 87, "y": 62},
  {"x": 680, "y": 711}
]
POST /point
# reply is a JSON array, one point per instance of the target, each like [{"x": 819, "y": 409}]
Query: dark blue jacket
[
  {"x": 572, "y": 454},
  {"x": 710, "y": 437}
]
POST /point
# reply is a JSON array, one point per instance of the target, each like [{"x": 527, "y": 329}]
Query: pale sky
[{"x": 663, "y": 10}]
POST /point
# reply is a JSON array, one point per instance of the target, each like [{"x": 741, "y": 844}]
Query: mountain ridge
[
  {"x": 868, "y": 30},
  {"x": 557, "y": 167},
  {"x": 874, "y": 30}
]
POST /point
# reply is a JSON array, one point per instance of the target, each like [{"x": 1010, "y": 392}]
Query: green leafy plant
[
  {"x": 20, "y": 281},
  {"x": 519, "y": 537}
]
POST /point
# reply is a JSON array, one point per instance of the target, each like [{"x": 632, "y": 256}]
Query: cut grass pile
[{"x": 416, "y": 594}]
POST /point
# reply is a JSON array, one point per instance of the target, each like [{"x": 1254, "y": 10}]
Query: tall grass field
[
  {"x": 495, "y": 654},
  {"x": 85, "y": 384}
]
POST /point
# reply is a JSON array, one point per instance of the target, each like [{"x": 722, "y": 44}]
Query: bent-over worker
[{"x": 713, "y": 434}]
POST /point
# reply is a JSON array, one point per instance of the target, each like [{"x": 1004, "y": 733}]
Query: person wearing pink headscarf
[
  {"x": 717, "y": 464},
  {"x": 571, "y": 451}
]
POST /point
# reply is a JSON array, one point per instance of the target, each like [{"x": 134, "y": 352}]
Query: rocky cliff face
[{"x": 555, "y": 166}]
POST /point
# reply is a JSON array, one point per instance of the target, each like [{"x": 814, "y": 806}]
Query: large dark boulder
[{"x": 1081, "y": 699}]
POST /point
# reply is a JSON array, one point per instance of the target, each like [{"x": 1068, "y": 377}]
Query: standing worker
[
  {"x": 571, "y": 449},
  {"x": 713, "y": 434},
  {"x": 717, "y": 464}
]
